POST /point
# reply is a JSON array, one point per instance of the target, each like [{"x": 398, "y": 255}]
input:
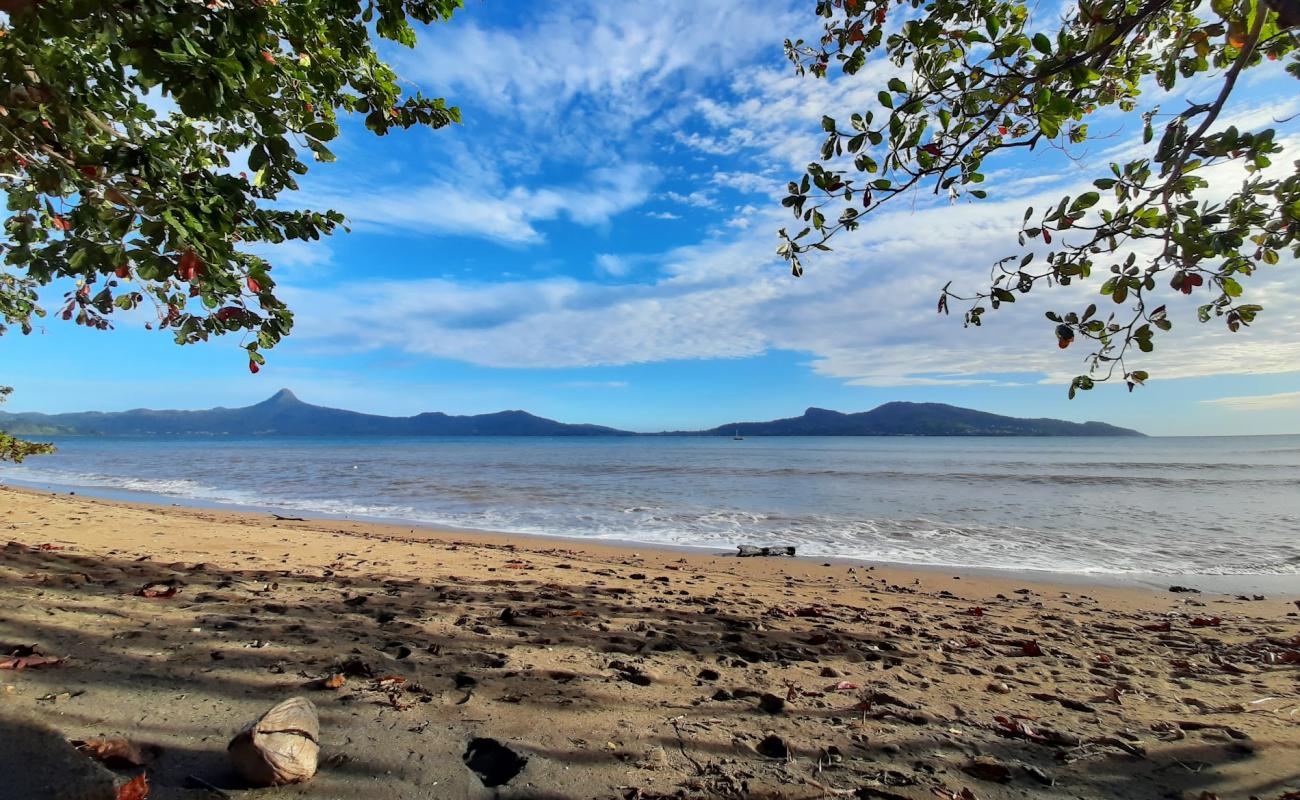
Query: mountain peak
[
  {"x": 283, "y": 396},
  {"x": 814, "y": 411}
]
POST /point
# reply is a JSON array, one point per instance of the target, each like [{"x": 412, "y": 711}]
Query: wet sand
[{"x": 617, "y": 672}]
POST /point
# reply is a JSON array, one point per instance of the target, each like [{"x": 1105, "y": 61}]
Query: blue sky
[{"x": 596, "y": 243}]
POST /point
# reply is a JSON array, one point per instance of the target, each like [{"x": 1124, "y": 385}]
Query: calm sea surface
[{"x": 1174, "y": 505}]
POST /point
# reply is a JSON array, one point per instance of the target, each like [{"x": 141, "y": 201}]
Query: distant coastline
[{"x": 284, "y": 414}]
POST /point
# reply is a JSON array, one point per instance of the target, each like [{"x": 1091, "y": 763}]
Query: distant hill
[
  {"x": 284, "y": 414},
  {"x": 915, "y": 419}
]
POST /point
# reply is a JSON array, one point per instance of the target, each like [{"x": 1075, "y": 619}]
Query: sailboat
[{"x": 737, "y": 437}]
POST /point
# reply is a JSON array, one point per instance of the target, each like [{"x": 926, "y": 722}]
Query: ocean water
[{"x": 1185, "y": 506}]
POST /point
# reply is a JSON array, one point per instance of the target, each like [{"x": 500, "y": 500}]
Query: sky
[{"x": 596, "y": 243}]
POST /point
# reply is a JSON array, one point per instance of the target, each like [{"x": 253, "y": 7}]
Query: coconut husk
[{"x": 279, "y": 747}]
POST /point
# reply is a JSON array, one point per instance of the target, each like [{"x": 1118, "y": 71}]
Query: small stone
[
  {"x": 771, "y": 703},
  {"x": 999, "y": 687}
]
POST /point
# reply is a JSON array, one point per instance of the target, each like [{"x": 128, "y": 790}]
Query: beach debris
[
  {"x": 158, "y": 591},
  {"x": 332, "y": 681},
  {"x": 494, "y": 763},
  {"x": 135, "y": 789},
  {"x": 28, "y": 656},
  {"x": 1186, "y": 589},
  {"x": 118, "y": 752},
  {"x": 772, "y": 746},
  {"x": 279, "y": 747},
  {"x": 987, "y": 769},
  {"x": 1029, "y": 647},
  {"x": 1017, "y": 725},
  {"x": 750, "y": 551}
]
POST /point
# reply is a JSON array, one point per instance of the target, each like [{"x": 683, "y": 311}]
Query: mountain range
[{"x": 284, "y": 414}]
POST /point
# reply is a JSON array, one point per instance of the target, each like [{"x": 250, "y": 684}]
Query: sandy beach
[{"x": 614, "y": 672}]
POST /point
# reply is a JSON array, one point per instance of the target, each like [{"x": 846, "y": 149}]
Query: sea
[{"x": 1094, "y": 506}]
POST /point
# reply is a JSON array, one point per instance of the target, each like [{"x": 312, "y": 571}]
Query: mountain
[
  {"x": 916, "y": 419},
  {"x": 285, "y": 415}
]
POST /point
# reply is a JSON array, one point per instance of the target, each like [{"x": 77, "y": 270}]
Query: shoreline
[
  {"x": 613, "y": 672},
  {"x": 1219, "y": 584}
]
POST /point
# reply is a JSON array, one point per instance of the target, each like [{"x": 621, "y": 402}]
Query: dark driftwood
[{"x": 747, "y": 550}]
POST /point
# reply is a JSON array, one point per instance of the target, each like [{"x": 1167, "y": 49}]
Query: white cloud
[
  {"x": 1258, "y": 402},
  {"x": 486, "y": 208},
  {"x": 604, "y": 76},
  {"x": 612, "y": 264},
  {"x": 700, "y": 198},
  {"x": 603, "y": 68}
]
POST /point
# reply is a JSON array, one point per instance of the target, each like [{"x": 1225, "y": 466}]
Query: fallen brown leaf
[
  {"x": 135, "y": 789},
  {"x": 29, "y": 662},
  {"x": 119, "y": 752},
  {"x": 334, "y": 681}
]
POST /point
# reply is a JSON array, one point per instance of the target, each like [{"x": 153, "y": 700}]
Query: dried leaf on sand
[{"x": 119, "y": 752}]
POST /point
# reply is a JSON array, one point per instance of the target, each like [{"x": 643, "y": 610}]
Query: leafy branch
[
  {"x": 976, "y": 82},
  {"x": 121, "y": 123}
]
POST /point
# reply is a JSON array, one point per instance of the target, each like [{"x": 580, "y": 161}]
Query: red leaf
[
  {"x": 1047, "y": 236},
  {"x": 29, "y": 662},
  {"x": 60, "y": 223},
  {"x": 135, "y": 789},
  {"x": 254, "y": 286},
  {"x": 189, "y": 267},
  {"x": 252, "y": 366}
]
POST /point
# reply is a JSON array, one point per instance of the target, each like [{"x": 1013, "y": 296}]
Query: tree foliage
[
  {"x": 123, "y": 125},
  {"x": 16, "y": 450},
  {"x": 1195, "y": 213}
]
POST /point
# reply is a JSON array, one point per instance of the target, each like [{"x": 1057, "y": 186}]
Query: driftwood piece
[
  {"x": 749, "y": 550},
  {"x": 279, "y": 747}
]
